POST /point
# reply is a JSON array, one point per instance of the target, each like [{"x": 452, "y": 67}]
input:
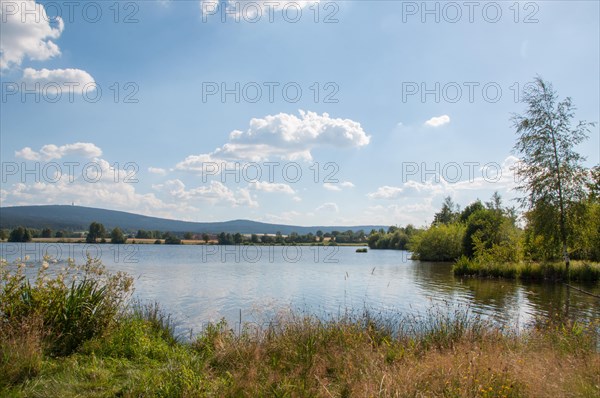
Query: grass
[
  {"x": 442, "y": 353},
  {"x": 581, "y": 271},
  {"x": 303, "y": 356}
]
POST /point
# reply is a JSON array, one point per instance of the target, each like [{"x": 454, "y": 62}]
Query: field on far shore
[{"x": 183, "y": 241}]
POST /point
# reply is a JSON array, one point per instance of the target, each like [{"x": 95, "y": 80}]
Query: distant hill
[{"x": 78, "y": 218}]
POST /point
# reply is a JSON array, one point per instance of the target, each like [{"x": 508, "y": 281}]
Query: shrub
[
  {"x": 74, "y": 303},
  {"x": 439, "y": 243}
]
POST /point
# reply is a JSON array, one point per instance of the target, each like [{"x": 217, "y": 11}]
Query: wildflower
[
  {"x": 45, "y": 264},
  {"x": 26, "y": 258}
]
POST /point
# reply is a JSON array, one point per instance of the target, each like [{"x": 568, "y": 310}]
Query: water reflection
[{"x": 199, "y": 284}]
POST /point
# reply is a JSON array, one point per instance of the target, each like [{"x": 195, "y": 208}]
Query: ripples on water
[{"x": 200, "y": 284}]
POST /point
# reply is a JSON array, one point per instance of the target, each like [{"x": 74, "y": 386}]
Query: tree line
[
  {"x": 22, "y": 234},
  {"x": 97, "y": 233}
]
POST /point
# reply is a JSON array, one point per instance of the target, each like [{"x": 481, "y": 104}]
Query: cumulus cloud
[
  {"x": 491, "y": 176},
  {"x": 289, "y": 137},
  {"x": 328, "y": 207},
  {"x": 99, "y": 186},
  {"x": 51, "y": 151},
  {"x": 53, "y": 81},
  {"x": 204, "y": 163},
  {"x": 386, "y": 192},
  {"x": 438, "y": 121},
  {"x": 285, "y": 217},
  {"x": 157, "y": 170},
  {"x": 401, "y": 214},
  {"x": 282, "y": 136},
  {"x": 215, "y": 193},
  {"x": 330, "y": 186},
  {"x": 27, "y": 32},
  {"x": 271, "y": 187}
]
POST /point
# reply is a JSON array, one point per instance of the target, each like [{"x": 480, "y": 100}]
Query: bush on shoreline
[{"x": 580, "y": 271}]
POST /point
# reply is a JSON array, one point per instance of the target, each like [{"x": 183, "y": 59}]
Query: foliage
[
  {"x": 171, "y": 239},
  {"x": 74, "y": 303},
  {"x": 396, "y": 238},
  {"x": 581, "y": 271},
  {"x": 20, "y": 234},
  {"x": 491, "y": 233},
  {"x": 439, "y": 353},
  {"x": 438, "y": 243},
  {"x": 551, "y": 174},
  {"x": 117, "y": 236},
  {"x": 448, "y": 214},
  {"x": 95, "y": 232}
]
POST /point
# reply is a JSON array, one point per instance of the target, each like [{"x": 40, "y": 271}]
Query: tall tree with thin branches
[{"x": 551, "y": 173}]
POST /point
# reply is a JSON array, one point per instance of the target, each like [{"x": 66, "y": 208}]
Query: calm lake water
[{"x": 198, "y": 284}]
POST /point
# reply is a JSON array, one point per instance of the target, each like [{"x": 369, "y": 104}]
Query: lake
[{"x": 199, "y": 284}]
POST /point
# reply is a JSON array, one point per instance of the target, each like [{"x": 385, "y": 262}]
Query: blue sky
[{"x": 300, "y": 112}]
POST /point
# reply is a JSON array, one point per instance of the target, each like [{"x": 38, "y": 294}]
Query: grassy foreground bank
[
  {"x": 581, "y": 271},
  {"x": 71, "y": 334}
]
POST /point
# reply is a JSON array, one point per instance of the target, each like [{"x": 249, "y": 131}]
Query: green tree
[
  {"x": 20, "y": 234},
  {"x": 238, "y": 238},
  {"x": 594, "y": 183},
  {"x": 254, "y": 239},
  {"x": 205, "y": 237},
  {"x": 117, "y": 236},
  {"x": 46, "y": 233},
  {"x": 438, "y": 243},
  {"x": 448, "y": 214},
  {"x": 188, "y": 236},
  {"x": 320, "y": 235},
  {"x": 171, "y": 239},
  {"x": 551, "y": 174},
  {"x": 96, "y": 231},
  {"x": 470, "y": 209},
  {"x": 3, "y": 234}
]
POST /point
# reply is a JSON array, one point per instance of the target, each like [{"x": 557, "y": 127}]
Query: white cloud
[
  {"x": 215, "y": 193},
  {"x": 386, "y": 192},
  {"x": 475, "y": 183},
  {"x": 438, "y": 121},
  {"x": 105, "y": 189},
  {"x": 492, "y": 175},
  {"x": 289, "y": 137},
  {"x": 285, "y": 217},
  {"x": 328, "y": 207},
  {"x": 271, "y": 187},
  {"x": 51, "y": 151},
  {"x": 205, "y": 163},
  {"x": 157, "y": 170},
  {"x": 62, "y": 81},
  {"x": 337, "y": 186},
  {"x": 282, "y": 136},
  {"x": 27, "y": 32},
  {"x": 417, "y": 214}
]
